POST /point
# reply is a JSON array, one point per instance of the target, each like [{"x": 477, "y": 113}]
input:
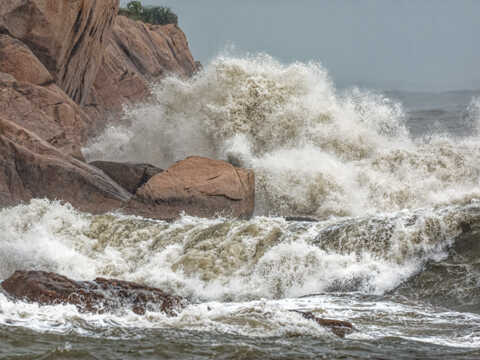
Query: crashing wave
[{"x": 315, "y": 151}]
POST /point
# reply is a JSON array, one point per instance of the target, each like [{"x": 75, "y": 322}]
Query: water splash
[{"x": 315, "y": 151}]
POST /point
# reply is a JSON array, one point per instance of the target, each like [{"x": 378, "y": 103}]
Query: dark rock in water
[
  {"x": 98, "y": 296},
  {"x": 338, "y": 327},
  {"x": 129, "y": 175}
]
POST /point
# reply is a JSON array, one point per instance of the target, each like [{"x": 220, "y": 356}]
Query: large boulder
[
  {"x": 130, "y": 176},
  {"x": 201, "y": 187},
  {"x": 68, "y": 37},
  {"x": 100, "y": 295},
  {"x": 32, "y": 168},
  {"x": 137, "y": 53}
]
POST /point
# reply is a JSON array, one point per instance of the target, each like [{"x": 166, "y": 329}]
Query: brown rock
[
  {"x": 68, "y": 37},
  {"x": 31, "y": 168},
  {"x": 200, "y": 187},
  {"x": 99, "y": 296},
  {"x": 130, "y": 176},
  {"x": 137, "y": 53},
  {"x": 18, "y": 60},
  {"x": 338, "y": 327},
  {"x": 181, "y": 59},
  {"x": 45, "y": 110}
]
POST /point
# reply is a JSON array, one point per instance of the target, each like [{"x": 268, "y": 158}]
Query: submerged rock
[
  {"x": 129, "y": 175},
  {"x": 98, "y": 296},
  {"x": 201, "y": 187},
  {"x": 338, "y": 327}
]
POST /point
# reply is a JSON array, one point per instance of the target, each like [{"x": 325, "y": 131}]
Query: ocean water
[{"x": 392, "y": 178}]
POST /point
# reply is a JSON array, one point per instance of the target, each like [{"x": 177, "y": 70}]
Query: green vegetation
[{"x": 157, "y": 15}]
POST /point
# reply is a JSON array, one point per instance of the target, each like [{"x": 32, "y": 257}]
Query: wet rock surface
[
  {"x": 32, "y": 168},
  {"x": 100, "y": 295}
]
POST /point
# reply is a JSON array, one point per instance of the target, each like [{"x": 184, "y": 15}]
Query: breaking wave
[
  {"x": 235, "y": 260},
  {"x": 315, "y": 151}
]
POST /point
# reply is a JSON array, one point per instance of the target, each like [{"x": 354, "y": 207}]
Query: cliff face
[
  {"x": 68, "y": 37},
  {"x": 73, "y": 62},
  {"x": 135, "y": 54}
]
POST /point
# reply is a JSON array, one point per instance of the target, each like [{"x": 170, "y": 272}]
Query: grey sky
[{"x": 387, "y": 44}]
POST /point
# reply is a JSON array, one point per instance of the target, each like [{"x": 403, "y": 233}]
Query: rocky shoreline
[{"x": 65, "y": 68}]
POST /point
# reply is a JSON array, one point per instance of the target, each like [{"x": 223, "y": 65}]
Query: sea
[{"x": 367, "y": 210}]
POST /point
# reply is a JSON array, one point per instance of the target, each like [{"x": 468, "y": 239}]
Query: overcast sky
[{"x": 385, "y": 44}]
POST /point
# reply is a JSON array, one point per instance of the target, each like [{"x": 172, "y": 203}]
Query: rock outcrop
[
  {"x": 129, "y": 175},
  {"x": 99, "y": 59},
  {"x": 202, "y": 187},
  {"x": 100, "y": 295},
  {"x": 32, "y": 168}
]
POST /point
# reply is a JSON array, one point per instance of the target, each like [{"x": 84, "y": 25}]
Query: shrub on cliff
[
  {"x": 135, "y": 8},
  {"x": 157, "y": 15}
]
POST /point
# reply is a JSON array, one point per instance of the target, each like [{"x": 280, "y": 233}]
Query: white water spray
[{"x": 314, "y": 151}]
